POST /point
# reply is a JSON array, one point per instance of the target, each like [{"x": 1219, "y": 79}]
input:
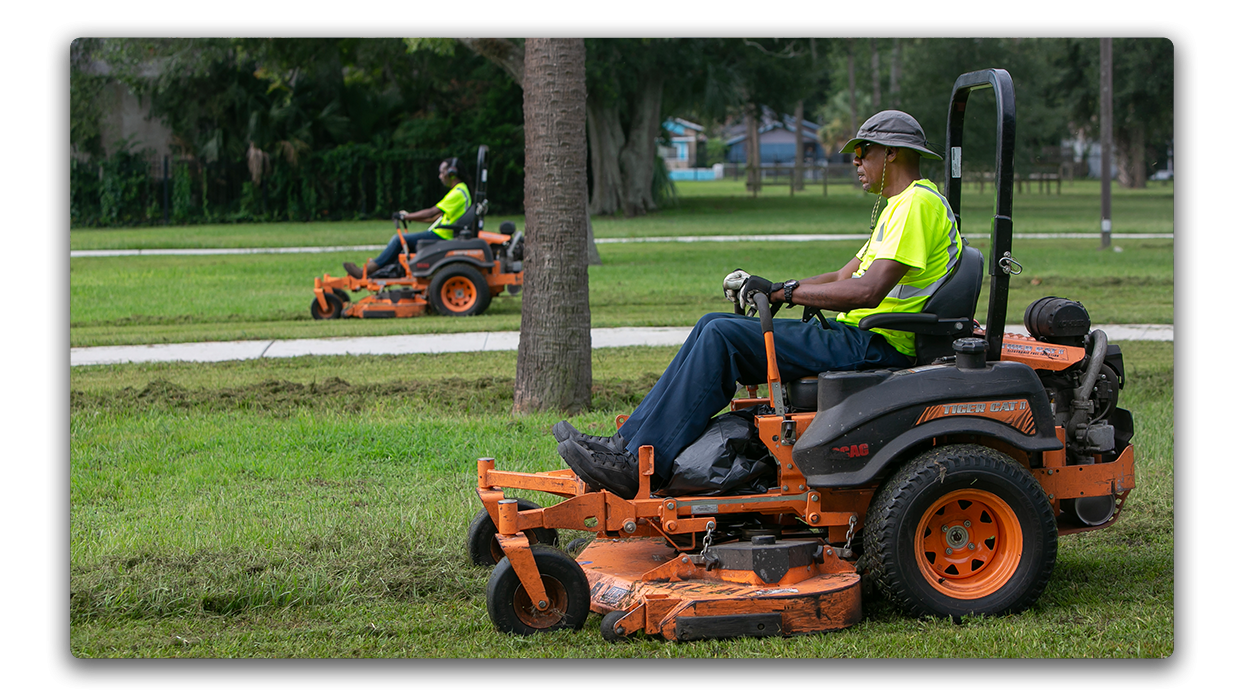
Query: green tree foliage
[
  {"x": 292, "y": 103},
  {"x": 335, "y": 127},
  {"x": 1056, "y": 86},
  {"x": 1144, "y": 98}
]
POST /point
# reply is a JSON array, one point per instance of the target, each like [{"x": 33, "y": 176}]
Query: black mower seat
[
  {"x": 467, "y": 226},
  {"x": 947, "y": 316}
]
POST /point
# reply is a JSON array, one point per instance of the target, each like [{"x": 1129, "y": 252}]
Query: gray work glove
[{"x": 732, "y": 283}]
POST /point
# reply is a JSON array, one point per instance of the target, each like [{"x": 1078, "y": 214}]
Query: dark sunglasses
[{"x": 861, "y": 148}]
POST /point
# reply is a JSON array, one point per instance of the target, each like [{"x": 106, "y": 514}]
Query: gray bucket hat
[{"x": 893, "y": 128}]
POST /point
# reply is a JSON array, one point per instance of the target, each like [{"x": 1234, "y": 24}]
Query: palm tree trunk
[{"x": 554, "y": 370}]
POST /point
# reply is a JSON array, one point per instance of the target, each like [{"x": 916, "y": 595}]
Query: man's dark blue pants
[
  {"x": 725, "y": 349},
  {"x": 391, "y": 251}
]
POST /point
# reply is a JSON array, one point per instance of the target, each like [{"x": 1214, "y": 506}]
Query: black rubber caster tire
[
  {"x": 335, "y": 307},
  {"x": 512, "y": 611},
  {"x": 482, "y": 545}
]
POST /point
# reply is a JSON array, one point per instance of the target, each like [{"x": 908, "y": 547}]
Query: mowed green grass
[
  {"x": 160, "y": 299},
  {"x": 702, "y": 208},
  {"x": 317, "y": 507}
]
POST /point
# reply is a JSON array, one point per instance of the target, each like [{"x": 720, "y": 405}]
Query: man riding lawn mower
[
  {"x": 454, "y": 265},
  {"x": 907, "y": 444}
]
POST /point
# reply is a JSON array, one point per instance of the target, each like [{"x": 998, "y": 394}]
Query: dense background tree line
[
  {"x": 307, "y": 129},
  {"x": 298, "y": 129}
]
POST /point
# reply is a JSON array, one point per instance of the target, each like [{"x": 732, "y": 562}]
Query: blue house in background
[
  {"x": 777, "y": 140},
  {"x": 687, "y": 142}
]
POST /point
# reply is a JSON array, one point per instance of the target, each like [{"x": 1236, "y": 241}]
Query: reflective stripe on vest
[{"x": 903, "y": 291}]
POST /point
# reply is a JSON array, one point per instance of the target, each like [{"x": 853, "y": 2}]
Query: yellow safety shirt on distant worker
[
  {"x": 916, "y": 228},
  {"x": 452, "y": 207}
]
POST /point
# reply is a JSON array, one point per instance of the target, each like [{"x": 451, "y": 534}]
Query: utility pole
[
  {"x": 796, "y": 174},
  {"x": 1107, "y": 136}
]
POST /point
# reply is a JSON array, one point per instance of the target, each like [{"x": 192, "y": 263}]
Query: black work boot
[
  {"x": 602, "y": 466},
  {"x": 358, "y": 272},
  {"x": 565, "y": 430}
]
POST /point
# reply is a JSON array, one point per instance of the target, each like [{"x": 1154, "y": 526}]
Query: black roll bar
[{"x": 1004, "y": 179}]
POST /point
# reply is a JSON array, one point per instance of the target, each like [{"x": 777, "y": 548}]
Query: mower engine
[{"x": 1084, "y": 396}]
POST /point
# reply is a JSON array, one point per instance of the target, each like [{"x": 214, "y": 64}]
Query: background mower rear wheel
[
  {"x": 341, "y": 293},
  {"x": 458, "y": 290},
  {"x": 482, "y": 543},
  {"x": 335, "y": 306},
  {"x": 512, "y": 610},
  {"x": 960, "y": 530}
]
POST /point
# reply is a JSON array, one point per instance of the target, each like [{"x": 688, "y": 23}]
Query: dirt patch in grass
[
  {"x": 456, "y": 395},
  {"x": 227, "y": 582}
]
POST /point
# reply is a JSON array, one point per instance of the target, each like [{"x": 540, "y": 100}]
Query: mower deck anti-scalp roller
[{"x": 946, "y": 485}]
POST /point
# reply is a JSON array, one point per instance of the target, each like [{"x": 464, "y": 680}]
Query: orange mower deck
[
  {"x": 642, "y": 584},
  {"x": 646, "y": 574}
]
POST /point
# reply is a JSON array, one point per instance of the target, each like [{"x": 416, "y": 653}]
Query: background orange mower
[{"x": 456, "y": 277}]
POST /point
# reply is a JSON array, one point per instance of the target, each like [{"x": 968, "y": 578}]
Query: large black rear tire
[
  {"x": 459, "y": 290},
  {"x": 960, "y": 530}
]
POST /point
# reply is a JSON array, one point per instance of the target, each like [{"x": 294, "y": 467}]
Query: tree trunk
[
  {"x": 554, "y": 369},
  {"x": 604, "y": 132},
  {"x": 1130, "y": 149},
  {"x": 896, "y": 70},
  {"x": 855, "y": 117},
  {"x": 876, "y": 66},
  {"x": 593, "y": 257},
  {"x": 638, "y": 156},
  {"x": 797, "y": 174},
  {"x": 753, "y": 149}
]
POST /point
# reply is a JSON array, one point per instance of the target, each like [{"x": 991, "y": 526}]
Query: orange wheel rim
[
  {"x": 968, "y": 544},
  {"x": 458, "y": 294},
  {"x": 533, "y": 617}
]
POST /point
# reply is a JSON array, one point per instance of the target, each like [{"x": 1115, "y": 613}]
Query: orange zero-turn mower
[
  {"x": 946, "y": 484},
  {"x": 457, "y": 277}
]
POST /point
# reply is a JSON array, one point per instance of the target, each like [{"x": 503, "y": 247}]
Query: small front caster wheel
[
  {"x": 334, "y": 310},
  {"x": 565, "y": 584}
]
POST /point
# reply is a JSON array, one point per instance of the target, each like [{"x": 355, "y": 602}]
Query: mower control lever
[{"x": 774, "y": 379}]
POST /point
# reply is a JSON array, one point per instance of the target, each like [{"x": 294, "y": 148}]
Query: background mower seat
[
  {"x": 947, "y": 316},
  {"x": 469, "y": 225}
]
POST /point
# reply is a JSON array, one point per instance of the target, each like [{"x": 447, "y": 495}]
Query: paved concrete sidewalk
[{"x": 441, "y": 344}]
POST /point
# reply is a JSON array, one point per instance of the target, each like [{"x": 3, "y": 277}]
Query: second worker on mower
[
  {"x": 446, "y": 211},
  {"x": 913, "y": 247}
]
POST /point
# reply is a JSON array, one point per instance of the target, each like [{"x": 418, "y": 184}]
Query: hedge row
[{"x": 348, "y": 182}]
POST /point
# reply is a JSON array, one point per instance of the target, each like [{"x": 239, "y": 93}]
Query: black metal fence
[{"x": 350, "y": 182}]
